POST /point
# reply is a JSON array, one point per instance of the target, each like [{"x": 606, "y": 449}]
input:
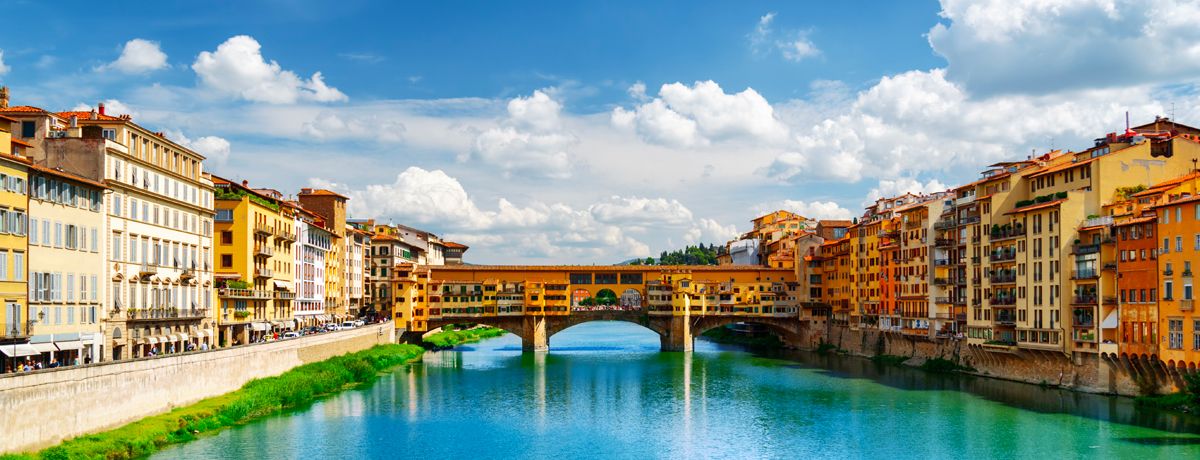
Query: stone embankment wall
[
  {"x": 1087, "y": 372},
  {"x": 44, "y": 408}
]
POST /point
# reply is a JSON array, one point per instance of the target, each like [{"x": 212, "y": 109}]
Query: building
[
  {"x": 357, "y": 249},
  {"x": 454, "y": 252},
  {"x": 67, "y": 262},
  {"x": 312, "y": 247},
  {"x": 331, "y": 207},
  {"x": 254, "y": 262},
  {"x": 1178, "y": 227},
  {"x": 159, "y": 209},
  {"x": 14, "y": 246}
]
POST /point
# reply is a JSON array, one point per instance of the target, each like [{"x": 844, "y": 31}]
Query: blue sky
[{"x": 550, "y": 132}]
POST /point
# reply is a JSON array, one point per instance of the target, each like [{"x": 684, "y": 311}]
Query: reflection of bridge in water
[{"x": 536, "y": 302}]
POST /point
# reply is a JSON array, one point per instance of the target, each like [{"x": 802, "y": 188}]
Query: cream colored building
[{"x": 67, "y": 264}]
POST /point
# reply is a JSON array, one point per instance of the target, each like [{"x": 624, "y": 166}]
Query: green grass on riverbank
[
  {"x": 450, "y": 337},
  {"x": 726, "y": 335},
  {"x": 1186, "y": 401},
  {"x": 258, "y": 398}
]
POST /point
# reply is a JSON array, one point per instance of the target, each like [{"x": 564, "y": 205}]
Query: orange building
[{"x": 1179, "y": 231}]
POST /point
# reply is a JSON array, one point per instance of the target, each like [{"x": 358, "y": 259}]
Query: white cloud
[
  {"x": 138, "y": 56},
  {"x": 355, "y": 125},
  {"x": 112, "y": 107},
  {"x": 683, "y": 116},
  {"x": 237, "y": 68},
  {"x": 641, "y": 212},
  {"x": 919, "y": 122},
  {"x": 811, "y": 209},
  {"x": 531, "y": 141},
  {"x": 537, "y": 231},
  {"x": 888, "y": 188},
  {"x": 3, "y": 68},
  {"x": 709, "y": 231},
  {"x": 1042, "y": 46},
  {"x": 761, "y": 34},
  {"x": 798, "y": 48},
  {"x": 215, "y": 149}
]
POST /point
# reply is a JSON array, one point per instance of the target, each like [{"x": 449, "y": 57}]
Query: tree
[
  {"x": 649, "y": 261},
  {"x": 606, "y": 297}
]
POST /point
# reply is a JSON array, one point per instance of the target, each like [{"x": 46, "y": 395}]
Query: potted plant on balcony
[{"x": 241, "y": 314}]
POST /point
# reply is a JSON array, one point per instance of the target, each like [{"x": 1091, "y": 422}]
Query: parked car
[
  {"x": 291, "y": 335},
  {"x": 349, "y": 325},
  {"x": 332, "y": 327},
  {"x": 359, "y": 323}
]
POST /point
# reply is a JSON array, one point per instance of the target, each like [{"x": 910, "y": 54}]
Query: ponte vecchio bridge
[{"x": 536, "y": 302}]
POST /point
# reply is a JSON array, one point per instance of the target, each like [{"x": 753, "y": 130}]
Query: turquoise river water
[{"x": 605, "y": 391}]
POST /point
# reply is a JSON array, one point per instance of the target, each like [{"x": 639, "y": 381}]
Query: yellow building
[
  {"x": 14, "y": 203},
  {"x": 254, "y": 262},
  {"x": 1178, "y": 228},
  {"x": 67, "y": 262}
]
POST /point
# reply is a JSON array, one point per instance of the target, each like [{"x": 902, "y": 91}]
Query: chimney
[
  {"x": 74, "y": 121},
  {"x": 3, "y": 97},
  {"x": 92, "y": 115},
  {"x": 100, "y": 107}
]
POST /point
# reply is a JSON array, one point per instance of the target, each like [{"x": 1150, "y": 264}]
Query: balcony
[
  {"x": 941, "y": 300},
  {"x": 263, "y": 250},
  {"x": 251, "y": 294},
  {"x": 148, "y": 270},
  {"x": 968, "y": 220},
  {"x": 960, "y": 280},
  {"x": 1009, "y": 278},
  {"x": 1084, "y": 274},
  {"x": 165, "y": 313},
  {"x": 17, "y": 330},
  {"x": 1003, "y": 256},
  {"x": 1005, "y": 234},
  {"x": 263, "y": 230},
  {"x": 941, "y": 281},
  {"x": 1086, "y": 299},
  {"x": 941, "y": 262},
  {"x": 1168, "y": 271},
  {"x": 284, "y": 235},
  {"x": 1004, "y": 301},
  {"x": 943, "y": 242},
  {"x": 1006, "y": 320},
  {"x": 1082, "y": 249},
  {"x": 285, "y": 295},
  {"x": 944, "y": 224},
  {"x": 1109, "y": 266},
  {"x": 1109, "y": 300},
  {"x": 1186, "y": 305},
  {"x": 187, "y": 273},
  {"x": 263, "y": 273},
  {"x": 975, "y": 260}
]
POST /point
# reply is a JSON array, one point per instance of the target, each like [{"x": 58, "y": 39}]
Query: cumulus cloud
[
  {"x": 215, "y": 149},
  {"x": 637, "y": 211},
  {"x": 810, "y": 209},
  {"x": 888, "y": 188},
  {"x": 709, "y": 231},
  {"x": 683, "y": 116},
  {"x": 1038, "y": 47},
  {"x": 3, "y": 68},
  {"x": 112, "y": 107},
  {"x": 918, "y": 121},
  {"x": 237, "y": 68},
  {"x": 355, "y": 125},
  {"x": 798, "y": 48},
  {"x": 138, "y": 56},
  {"x": 530, "y": 141}
]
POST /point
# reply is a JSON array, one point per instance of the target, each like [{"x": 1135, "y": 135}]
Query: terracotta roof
[
  {"x": 61, "y": 173},
  {"x": 24, "y": 109},
  {"x": 451, "y": 244},
  {"x": 22, "y": 143},
  {"x": 1136, "y": 220},
  {"x": 87, "y": 116},
  {"x": 1034, "y": 207},
  {"x": 10, "y": 120},
  {"x": 1188, "y": 200},
  {"x": 324, "y": 192},
  {"x": 835, "y": 223}
]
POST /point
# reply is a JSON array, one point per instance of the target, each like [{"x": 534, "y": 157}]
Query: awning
[
  {"x": 18, "y": 350},
  {"x": 1110, "y": 321},
  {"x": 69, "y": 345},
  {"x": 183, "y": 337},
  {"x": 44, "y": 347},
  {"x": 171, "y": 338},
  {"x": 227, "y": 276},
  {"x": 152, "y": 340},
  {"x": 279, "y": 284},
  {"x": 259, "y": 326}
]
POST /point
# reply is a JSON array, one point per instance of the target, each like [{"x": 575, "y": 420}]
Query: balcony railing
[
  {"x": 166, "y": 313},
  {"x": 941, "y": 300},
  {"x": 1081, "y": 249},
  {"x": 1003, "y": 279},
  {"x": 944, "y": 224},
  {"x": 1004, "y": 301},
  {"x": 941, "y": 281},
  {"x": 284, "y": 235},
  {"x": 968, "y": 220},
  {"x": 943, "y": 242},
  {"x": 1088, "y": 299},
  {"x": 1004, "y": 235},
  {"x": 148, "y": 269},
  {"x": 1083, "y": 274},
  {"x": 1003, "y": 256},
  {"x": 285, "y": 295},
  {"x": 941, "y": 262},
  {"x": 264, "y": 250},
  {"x": 243, "y": 293},
  {"x": 1006, "y": 320},
  {"x": 263, "y": 273},
  {"x": 1186, "y": 305},
  {"x": 1109, "y": 266}
]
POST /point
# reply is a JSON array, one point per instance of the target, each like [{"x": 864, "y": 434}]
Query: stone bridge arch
[{"x": 788, "y": 329}]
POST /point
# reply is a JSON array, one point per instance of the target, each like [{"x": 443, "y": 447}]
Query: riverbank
[
  {"x": 449, "y": 338},
  {"x": 259, "y": 398},
  {"x": 728, "y": 336}
]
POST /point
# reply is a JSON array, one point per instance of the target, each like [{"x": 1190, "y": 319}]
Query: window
[
  {"x": 1196, "y": 334},
  {"x": 18, "y": 266},
  {"x": 1178, "y": 244},
  {"x": 33, "y": 236},
  {"x": 1175, "y": 334},
  {"x": 226, "y": 260},
  {"x": 109, "y": 133},
  {"x": 1168, "y": 287}
]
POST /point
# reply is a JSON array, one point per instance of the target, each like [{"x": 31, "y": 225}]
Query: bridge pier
[
  {"x": 535, "y": 338},
  {"x": 678, "y": 335}
]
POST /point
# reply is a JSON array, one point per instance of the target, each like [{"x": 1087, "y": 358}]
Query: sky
[{"x": 594, "y": 132}]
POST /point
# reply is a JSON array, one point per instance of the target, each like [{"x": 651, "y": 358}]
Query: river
[{"x": 604, "y": 390}]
